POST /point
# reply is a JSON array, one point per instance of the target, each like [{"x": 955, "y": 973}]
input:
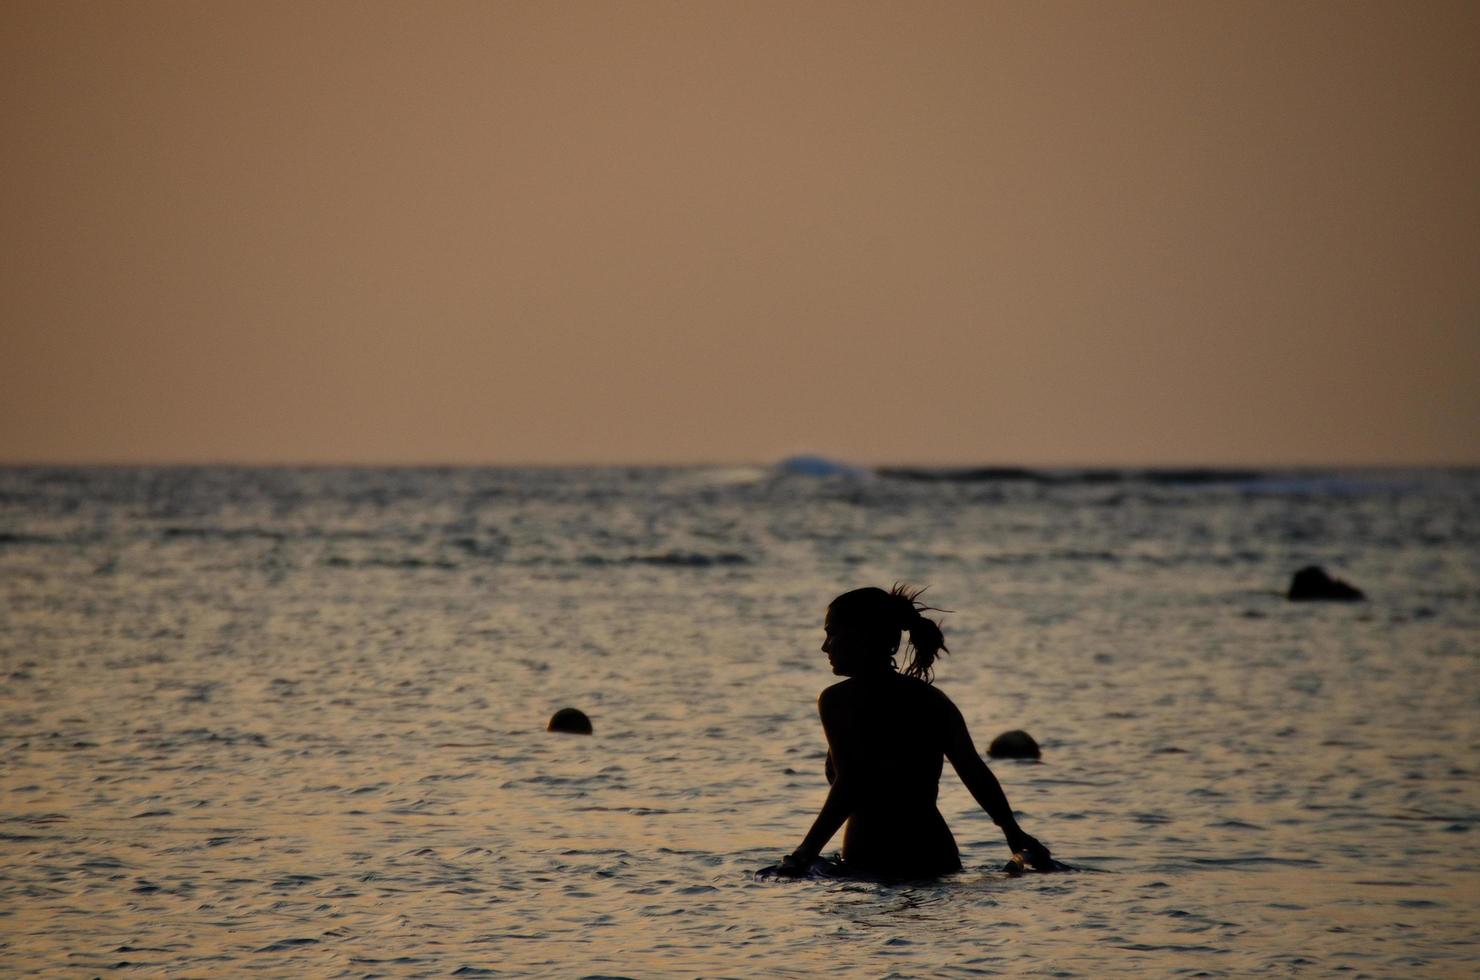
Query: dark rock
[
  {"x": 990, "y": 474},
  {"x": 1312, "y": 582},
  {"x": 1016, "y": 744},
  {"x": 570, "y": 720},
  {"x": 1200, "y": 476}
]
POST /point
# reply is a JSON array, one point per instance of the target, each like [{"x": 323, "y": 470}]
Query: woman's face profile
[{"x": 844, "y": 646}]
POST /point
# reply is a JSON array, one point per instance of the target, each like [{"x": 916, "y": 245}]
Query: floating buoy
[
  {"x": 1016, "y": 744},
  {"x": 571, "y": 720}
]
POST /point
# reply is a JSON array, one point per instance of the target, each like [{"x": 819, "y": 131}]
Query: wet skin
[{"x": 887, "y": 737}]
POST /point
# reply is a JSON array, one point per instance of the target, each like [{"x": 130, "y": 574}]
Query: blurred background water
[{"x": 291, "y": 720}]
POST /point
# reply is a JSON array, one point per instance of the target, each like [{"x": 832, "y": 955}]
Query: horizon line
[{"x": 1007, "y": 467}]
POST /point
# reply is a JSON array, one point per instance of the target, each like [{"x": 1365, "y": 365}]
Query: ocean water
[{"x": 291, "y": 721}]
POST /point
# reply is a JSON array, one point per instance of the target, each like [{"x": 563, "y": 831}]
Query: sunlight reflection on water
[{"x": 293, "y": 721}]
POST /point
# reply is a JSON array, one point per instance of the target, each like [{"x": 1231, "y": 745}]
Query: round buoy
[
  {"x": 571, "y": 720},
  {"x": 1016, "y": 744}
]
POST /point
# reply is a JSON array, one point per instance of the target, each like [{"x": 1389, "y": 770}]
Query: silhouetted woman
[{"x": 887, "y": 733}]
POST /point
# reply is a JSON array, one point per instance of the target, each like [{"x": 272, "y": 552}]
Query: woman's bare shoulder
[
  {"x": 937, "y": 699},
  {"x": 936, "y": 692},
  {"x": 852, "y": 690},
  {"x": 922, "y": 689},
  {"x": 839, "y": 693}
]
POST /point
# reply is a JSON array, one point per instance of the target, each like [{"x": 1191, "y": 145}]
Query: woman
[{"x": 886, "y": 734}]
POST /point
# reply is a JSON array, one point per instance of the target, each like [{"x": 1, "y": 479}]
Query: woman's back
[
  {"x": 888, "y": 735},
  {"x": 890, "y": 729}
]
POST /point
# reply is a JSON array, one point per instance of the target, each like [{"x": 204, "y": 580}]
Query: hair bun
[
  {"x": 926, "y": 640},
  {"x": 909, "y": 613}
]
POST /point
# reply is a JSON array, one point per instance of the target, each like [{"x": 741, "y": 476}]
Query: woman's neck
[{"x": 874, "y": 673}]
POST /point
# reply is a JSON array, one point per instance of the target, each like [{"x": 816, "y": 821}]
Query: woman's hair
[{"x": 887, "y": 615}]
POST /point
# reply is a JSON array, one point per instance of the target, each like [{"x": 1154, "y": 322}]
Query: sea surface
[{"x": 291, "y": 722}]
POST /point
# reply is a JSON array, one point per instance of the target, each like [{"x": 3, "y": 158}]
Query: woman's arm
[
  {"x": 835, "y": 811},
  {"x": 840, "y": 801},
  {"x": 984, "y": 786}
]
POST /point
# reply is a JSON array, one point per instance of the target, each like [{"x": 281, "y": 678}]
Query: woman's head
[{"x": 864, "y": 629}]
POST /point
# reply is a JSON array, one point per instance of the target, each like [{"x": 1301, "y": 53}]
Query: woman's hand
[
  {"x": 793, "y": 866},
  {"x": 1032, "y": 851}
]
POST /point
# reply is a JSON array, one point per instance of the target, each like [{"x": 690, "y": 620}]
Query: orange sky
[{"x": 1092, "y": 232}]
